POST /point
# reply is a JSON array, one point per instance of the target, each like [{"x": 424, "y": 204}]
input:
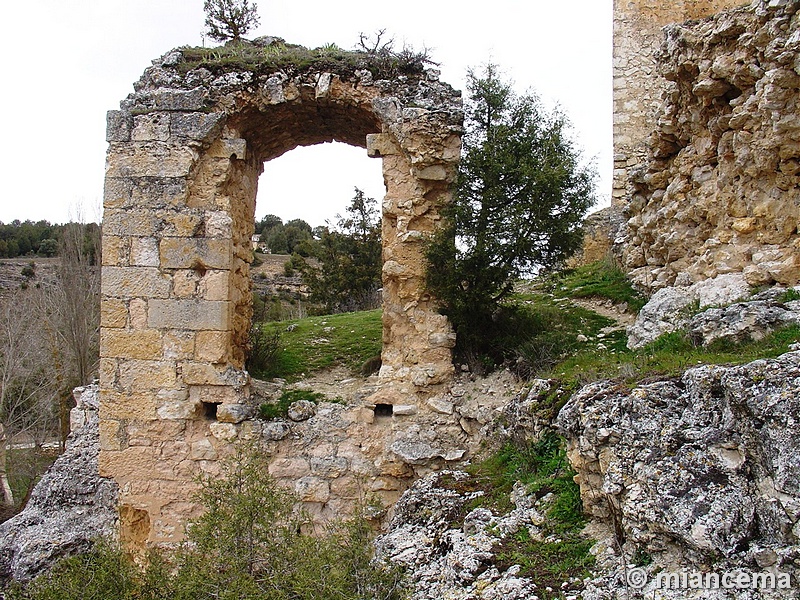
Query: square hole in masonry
[{"x": 383, "y": 410}]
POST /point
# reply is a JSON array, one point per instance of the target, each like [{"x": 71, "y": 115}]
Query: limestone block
[
  {"x": 329, "y": 467},
  {"x": 150, "y": 127},
  {"x": 289, "y": 468},
  {"x": 203, "y": 450},
  {"x": 186, "y": 253},
  {"x": 115, "y": 251},
  {"x": 196, "y": 126},
  {"x": 214, "y": 394},
  {"x": 171, "y": 99},
  {"x": 225, "y": 432},
  {"x": 118, "y": 126},
  {"x": 218, "y": 224},
  {"x": 144, "y": 252},
  {"x": 120, "y": 406},
  {"x": 144, "y": 344},
  {"x": 323, "y": 85},
  {"x": 137, "y": 309},
  {"x": 312, "y": 489},
  {"x": 212, "y": 346},
  {"x": 180, "y": 223},
  {"x": 404, "y": 410},
  {"x": 434, "y": 173},
  {"x": 149, "y": 159},
  {"x": 143, "y": 375},
  {"x": 184, "y": 283},
  {"x": 234, "y": 413},
  {"x": 113, "y": 313},
  {"x": 112, "y": 435},
  {"x": 125, "y": 223},
  {"x": 195, "y": 315},
  {"x": 178, "y": 345},
  {"x": 440, "y": 405},
  {"x": 215, "y": 285},
  {"x": 276, "y": 431},
  {"x": 196, "y": 373},
  {"x": 132, "y": 282}
]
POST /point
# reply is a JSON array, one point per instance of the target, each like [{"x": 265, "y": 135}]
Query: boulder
[{"x": 69, "y": 508}]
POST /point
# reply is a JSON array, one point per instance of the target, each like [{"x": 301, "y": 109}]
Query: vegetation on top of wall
[{"x": 267, "y": 55}]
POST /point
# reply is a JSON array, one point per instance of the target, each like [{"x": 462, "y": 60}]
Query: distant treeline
[{"x": 26, "y": 238}]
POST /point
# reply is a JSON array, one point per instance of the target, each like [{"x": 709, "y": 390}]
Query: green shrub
[
  {"x": 251, "y": 543},
  {"x": 280, "y": 409}
]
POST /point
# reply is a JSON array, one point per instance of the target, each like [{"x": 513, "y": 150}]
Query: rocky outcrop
[
  {"x": 720, "y": 190},
  {"x": 701, "y": 472},
  {"x": 458, "y": 562},
  {"x": 69, "y": 508},
  {"x": 669, "y": 308}
]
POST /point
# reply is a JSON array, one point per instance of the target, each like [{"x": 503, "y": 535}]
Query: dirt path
[{"x": 609, "y": 310}]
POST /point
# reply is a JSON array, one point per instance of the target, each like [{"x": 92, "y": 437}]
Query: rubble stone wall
[
  {"x": 638, "y": 89},
  {"x": 714, "y": 189},
  {"x": 185, "y": 152}
]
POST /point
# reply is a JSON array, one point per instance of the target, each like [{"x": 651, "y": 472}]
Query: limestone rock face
[
  {"x": 720, "y": 189},
  {"x": 444, "y": 562},
  {"x": 69, "y": 508},
  {"x": 669, "y": 310},
  {"x": 701, "y": 470}
]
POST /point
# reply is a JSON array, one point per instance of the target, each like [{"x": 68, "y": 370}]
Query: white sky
[{"x": 67, "y": 62}]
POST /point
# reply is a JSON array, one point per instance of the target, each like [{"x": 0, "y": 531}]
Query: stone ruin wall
[
  {"x": 185, "y": 153},
  {"x": 707, "y": 162},
  {"x": 638, "y": 89}
]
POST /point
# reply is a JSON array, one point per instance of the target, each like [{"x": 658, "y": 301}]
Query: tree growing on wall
[
  {"x": 520, "y": 197},
  {"x": 230, "y": 19}
]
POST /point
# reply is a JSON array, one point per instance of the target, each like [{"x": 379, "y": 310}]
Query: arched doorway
[{"x": 185, "y": 153}]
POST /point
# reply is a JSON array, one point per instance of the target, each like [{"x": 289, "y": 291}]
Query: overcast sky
[{"x": 67, "y": 62}]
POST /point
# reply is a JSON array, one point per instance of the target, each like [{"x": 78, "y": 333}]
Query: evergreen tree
[{"x": 520, "y": 197}]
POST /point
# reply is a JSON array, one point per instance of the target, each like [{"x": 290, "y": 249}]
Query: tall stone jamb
[{"x": 185, "y": 152}]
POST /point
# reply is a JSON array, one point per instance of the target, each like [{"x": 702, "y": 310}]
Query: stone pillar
[
  {"x": 175, "y": 305},
  {"x": 638, "y": 87},
  {"x": 417, "y": 340}
]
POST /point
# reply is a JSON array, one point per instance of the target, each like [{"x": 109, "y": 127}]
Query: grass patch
[
  {"x": 280, "y": 409},
  {"x": 668, "y": 356},
  {"x": 545, "y": 331},
  {"x": 601, "y": 279},
  {"x": 316, "y": 343},
  {"x": 294, "y": 59}
]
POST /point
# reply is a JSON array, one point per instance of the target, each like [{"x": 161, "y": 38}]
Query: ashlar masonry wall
[{"x": 185, "y": 152}]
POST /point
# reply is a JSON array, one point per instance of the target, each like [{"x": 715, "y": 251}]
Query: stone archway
[{"x": 185, "y": 153}]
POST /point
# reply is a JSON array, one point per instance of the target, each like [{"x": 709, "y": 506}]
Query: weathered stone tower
[
  {"x": 185, "y": 153},
  {"x": 638, "y": 89}
]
